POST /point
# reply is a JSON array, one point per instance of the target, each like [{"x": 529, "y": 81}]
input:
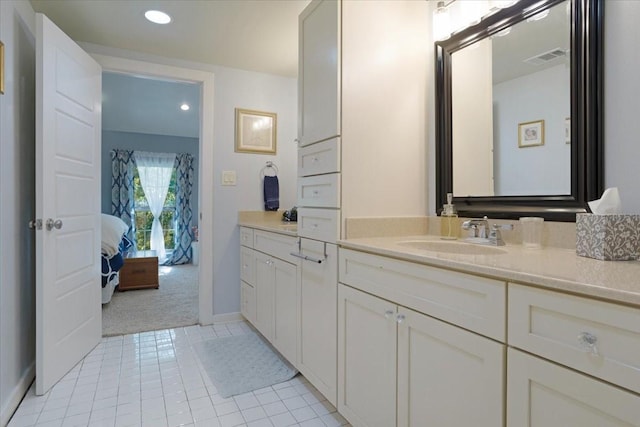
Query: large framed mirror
[{"x": 519, "y": 112}]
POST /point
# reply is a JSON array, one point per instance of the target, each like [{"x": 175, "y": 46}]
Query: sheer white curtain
[{"x": 155, "y": 170}]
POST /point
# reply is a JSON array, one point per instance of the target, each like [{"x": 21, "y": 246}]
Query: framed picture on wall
[
  {"x": 531, "y": 134},
  {"x": 255, "y": 131}
]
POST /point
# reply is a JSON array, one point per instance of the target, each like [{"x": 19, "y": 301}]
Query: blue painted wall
[{"x": 146, "y": 142}]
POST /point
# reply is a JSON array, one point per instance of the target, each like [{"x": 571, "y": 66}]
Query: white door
[
  {"x": 318, "y": 318},
  {"x": 543, "y": 394},
  {"x": 68, "y": 126},
  {"x": 265, "y": 284},
  {"x": 285, "y": 312},
  {"x": 447, "y": 376},
  {"x": 367, "y": 335}
]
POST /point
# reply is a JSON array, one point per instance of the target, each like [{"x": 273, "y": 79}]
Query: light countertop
[
  {"x": 549, "y": 267},
  {"x": 267, "y": 221}
]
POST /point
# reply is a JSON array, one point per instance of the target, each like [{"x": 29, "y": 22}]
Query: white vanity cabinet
[
  {"x": 318, "y": 316},
  {"x": 597, "y": 338},
  {"x": 247, "y": 275},
  {"x": 544, "y": 394},
  {"x": 269, "y": 288},
  {"x": 319, "y": 72},
  {"x": 398, "y": 365}
]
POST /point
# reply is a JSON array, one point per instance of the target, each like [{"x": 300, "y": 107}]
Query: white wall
[
  {"x": 17, "y": 205},
  {"x": 539, "y": 169},
  {"x": 384, "y": 108},
  {"x": 238, "y": 89},
  {"x": 472, "y": 124},
  {"x": 621, "y": 89}
]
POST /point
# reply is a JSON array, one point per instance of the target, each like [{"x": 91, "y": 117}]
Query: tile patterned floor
[{"x": 154, "y": 379}]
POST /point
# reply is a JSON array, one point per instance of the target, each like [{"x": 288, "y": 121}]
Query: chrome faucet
[
  {"x": 483, "y": 234},
  {"x": 478, "y": 226}
]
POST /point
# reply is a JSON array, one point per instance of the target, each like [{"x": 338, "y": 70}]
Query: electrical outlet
[{"x": 228, "y": 177}]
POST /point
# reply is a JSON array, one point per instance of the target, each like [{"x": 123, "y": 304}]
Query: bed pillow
[{"x": 113, "y": 228}]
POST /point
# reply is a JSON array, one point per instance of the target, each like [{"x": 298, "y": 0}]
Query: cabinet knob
[
  {"x": 388, "y": 314},
  {"x": 400, "y": 318},
  {"x": 588, "y": 343},
  {"x": 315, "y": 160}
]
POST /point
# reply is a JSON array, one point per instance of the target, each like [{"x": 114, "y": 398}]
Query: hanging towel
[{"x": 271, "y": 193}]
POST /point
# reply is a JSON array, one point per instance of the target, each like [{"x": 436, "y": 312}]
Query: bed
[{"x": 114, "y": 244}]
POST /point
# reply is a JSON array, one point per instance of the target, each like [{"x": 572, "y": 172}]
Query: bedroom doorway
[{"x": 185, "y": 290}]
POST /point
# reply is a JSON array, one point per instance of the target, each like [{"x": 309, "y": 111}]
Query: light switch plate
[{"x": 228, "y": 177}]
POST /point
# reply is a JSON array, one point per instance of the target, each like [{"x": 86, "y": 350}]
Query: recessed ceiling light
[
  {"x": 185, "y": 107},
  {"x": 157, "y": 17}
]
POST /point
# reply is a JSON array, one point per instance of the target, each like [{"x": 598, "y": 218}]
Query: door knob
[{"x": 51, "y": 224}]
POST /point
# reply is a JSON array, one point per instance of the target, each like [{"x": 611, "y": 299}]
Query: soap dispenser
[{"x": 449, "y": 227}]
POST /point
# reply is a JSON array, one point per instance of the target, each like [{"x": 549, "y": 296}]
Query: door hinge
[{"x": 35, "y": 224}]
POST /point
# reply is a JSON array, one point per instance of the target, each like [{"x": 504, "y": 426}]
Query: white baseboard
[
  {"x": 227, "y": 317},
  {"x": 17, "y": 394}
]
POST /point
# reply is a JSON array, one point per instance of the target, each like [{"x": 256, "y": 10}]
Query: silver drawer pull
[
  {"x": 306, "y": 258},
  {"x": 588, "y": 343}
]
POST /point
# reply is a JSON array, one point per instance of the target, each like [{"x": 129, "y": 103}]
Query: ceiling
[
  {"x": 254, "y": 35},
  {"x": 142, "y": 105}
]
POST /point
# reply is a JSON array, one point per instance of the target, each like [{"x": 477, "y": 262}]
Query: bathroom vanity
[
  {"x": 517, "y": 337},
  {"x": 461, "y": 335}
]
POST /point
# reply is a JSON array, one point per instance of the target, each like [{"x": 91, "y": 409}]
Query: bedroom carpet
[{"x": 173, "y": 304}]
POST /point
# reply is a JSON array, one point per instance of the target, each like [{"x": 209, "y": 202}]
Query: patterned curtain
[
  {"x": 184, "y": 215},
  {"x": 122, "y": 164}
]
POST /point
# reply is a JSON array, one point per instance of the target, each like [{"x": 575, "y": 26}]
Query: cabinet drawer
[
  {"x": 277, "y": 245},
  {"x": 320, "y": 158},
  {"x": 472, "y": 302},
  {"x": 319, "y": 191},
  {"x": 558, "y": 327},
  {"x": 247, "y": 265},
  {"x": 543, "y": 394},
  {"x": 319, "y": 224},
  {"x": 248, "y": 301},
  {"x": 246, "y": 237}
]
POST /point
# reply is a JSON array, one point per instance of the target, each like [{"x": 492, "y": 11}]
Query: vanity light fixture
[
  {"x": 184, "y": 107},
  {"x": 539, "y": 16},
  {"x": 441, "y": 22},
  {"x": 157, "y": 17},
  {"x": 501, "y": 4}
]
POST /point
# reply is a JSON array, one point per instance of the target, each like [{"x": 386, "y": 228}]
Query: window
[{"x": 143, "y": 217}]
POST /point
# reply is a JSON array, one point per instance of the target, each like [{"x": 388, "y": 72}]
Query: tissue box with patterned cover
[{"x": 614, "y": 237}]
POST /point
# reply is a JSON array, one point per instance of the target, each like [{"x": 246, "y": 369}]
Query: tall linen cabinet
[{"x": 362, "y": 111}]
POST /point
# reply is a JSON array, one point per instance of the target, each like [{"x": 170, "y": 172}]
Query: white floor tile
[{"x": 155, "y": 379}]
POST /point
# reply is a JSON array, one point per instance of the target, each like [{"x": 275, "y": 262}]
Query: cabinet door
[
  {"x": 285, "y": 313},
  {"x": 247, "y": 265},
  {"x": 248, "y": 302},
  {"x": 367, "y": 335},
  {"x": 318, "y": 318},
  {"x": 319, "y": 72},
  {"x": 542, "y": 394},
  {"x": 264, "y": 285},
  {"x": 447, "y": 376}
]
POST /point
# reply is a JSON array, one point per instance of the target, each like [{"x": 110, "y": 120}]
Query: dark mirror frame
[{"x": 587, "y": 104}]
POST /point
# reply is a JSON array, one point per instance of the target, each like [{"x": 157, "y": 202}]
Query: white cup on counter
[{"x": 532, "y": 231}]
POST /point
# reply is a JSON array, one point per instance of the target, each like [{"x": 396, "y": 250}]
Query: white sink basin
[{"x": 452, "y": 247}]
